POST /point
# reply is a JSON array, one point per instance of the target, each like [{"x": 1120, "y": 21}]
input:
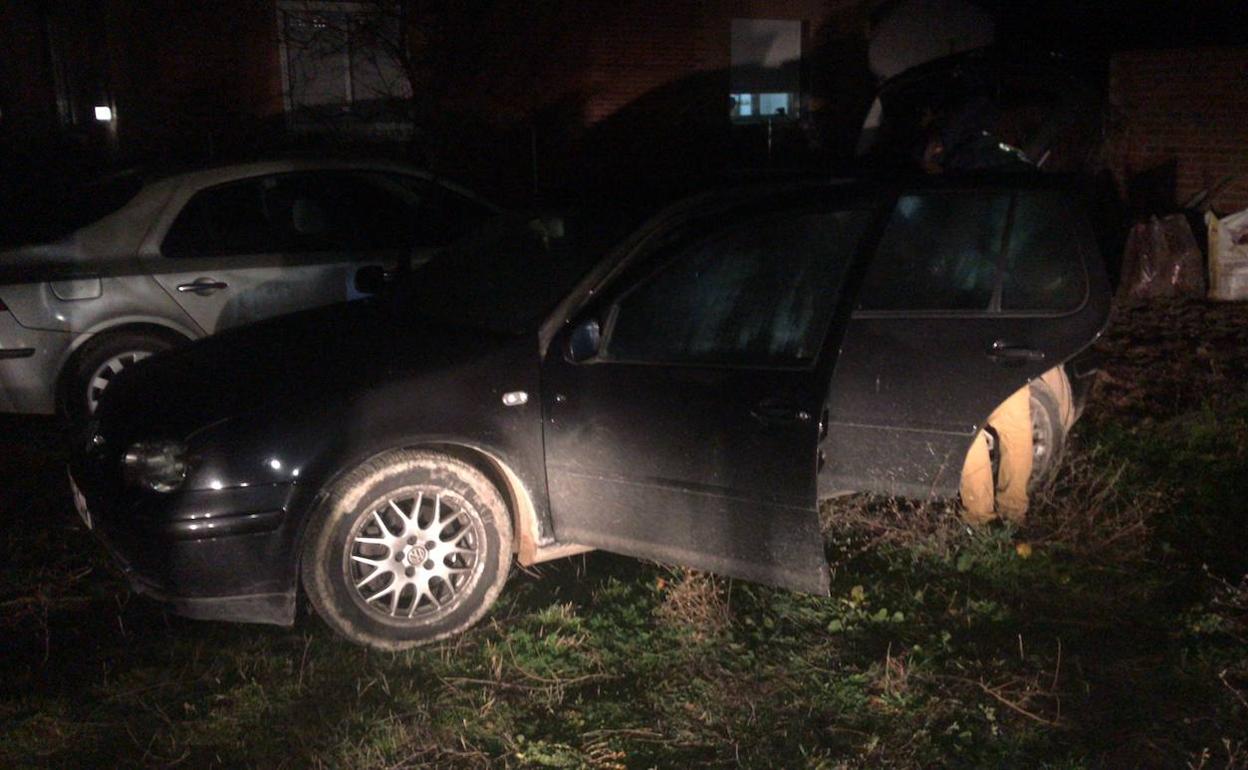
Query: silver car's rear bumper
[{"x": 29, "y": 362}]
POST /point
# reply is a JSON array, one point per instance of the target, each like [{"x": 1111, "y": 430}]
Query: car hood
[{"x": 316, "y": 360}]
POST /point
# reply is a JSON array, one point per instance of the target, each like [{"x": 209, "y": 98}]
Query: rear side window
[
  {"x": 969, "y": 251},
  {"x": 1043, "y": 266},
  {"x": 938, "y": 252},
  {"x": 758, "y": 293},
  {"x": 333, "y": 212},
  {"x": 229, "y": 219}
]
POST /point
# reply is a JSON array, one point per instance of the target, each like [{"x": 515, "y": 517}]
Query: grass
[{"x": 1113, "y": 632}]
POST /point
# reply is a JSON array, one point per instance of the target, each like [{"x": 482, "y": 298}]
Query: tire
[
  {"x": 429, "y": 524},
  {"x": 1048, "y": 434},
  {"x": 100, "y": 360}
]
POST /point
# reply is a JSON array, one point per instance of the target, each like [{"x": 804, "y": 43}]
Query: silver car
[{"x": 196, "y": 253}]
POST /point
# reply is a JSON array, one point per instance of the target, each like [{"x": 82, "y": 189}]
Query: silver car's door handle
[{"x": 202, "y": 286}]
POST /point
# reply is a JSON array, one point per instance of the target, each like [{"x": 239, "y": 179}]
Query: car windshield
[{"x": 508, "y": 274}]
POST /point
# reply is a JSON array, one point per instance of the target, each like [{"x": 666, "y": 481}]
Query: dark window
[
  {"x": 1043, "y": 267},
  {"x": 759, "y": 293},
  {"x": 443, "y": 215},
  {"x": 229, "y": 219},
  {"x": 938, "y": 252},
  {"x": 330, "y": 212}
]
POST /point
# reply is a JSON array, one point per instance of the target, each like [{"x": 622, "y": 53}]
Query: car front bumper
[
  {"x": 29, "y": 362},
  {"x": 225, "y": 554}
]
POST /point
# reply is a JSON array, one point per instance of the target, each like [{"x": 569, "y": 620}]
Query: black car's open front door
[
  {"x": 712, "y": 469},
  {"x": 688, "y": 433}
]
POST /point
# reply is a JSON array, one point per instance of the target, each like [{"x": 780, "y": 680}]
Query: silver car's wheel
[
  {"x": 410, "y": 547},
  {"x": 101, "y": 360},
  {"x": 416, "y": 553},
  {"x": 107, "y": 371}
]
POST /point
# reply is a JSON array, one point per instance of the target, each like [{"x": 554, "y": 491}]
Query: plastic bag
[
  {"x": 1228, "y": 256},
  {"x": 1162, "y": 260}
]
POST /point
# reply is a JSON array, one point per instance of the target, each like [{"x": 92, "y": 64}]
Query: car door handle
[
  {"x": 1003, "y": 352},
  {"x": 202, "y": 286},
  {"x": 777, "y": 411}
]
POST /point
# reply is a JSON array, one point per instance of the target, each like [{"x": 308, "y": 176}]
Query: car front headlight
[{"x": 160, "y": 466}]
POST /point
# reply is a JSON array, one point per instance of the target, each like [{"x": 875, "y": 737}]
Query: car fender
[
  {"x": 129, "y": 323},
  {"x": 527, "y": 505}
]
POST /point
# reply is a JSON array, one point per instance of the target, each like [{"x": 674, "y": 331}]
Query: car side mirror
[
  {"x": 585, "y": 340},
  {"x": 370, "y": 279}
]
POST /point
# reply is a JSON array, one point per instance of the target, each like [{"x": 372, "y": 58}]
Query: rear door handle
[
  {"x": 777, "y": 411},
  {"x": 1004, "y": 352},
  {"x": 202, "y": 286}
]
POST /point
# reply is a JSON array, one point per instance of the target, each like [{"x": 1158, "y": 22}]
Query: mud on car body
[{"x": 684, "y": 396}]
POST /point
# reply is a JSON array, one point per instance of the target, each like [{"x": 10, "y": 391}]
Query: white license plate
[{"x": 80, "y": 502}]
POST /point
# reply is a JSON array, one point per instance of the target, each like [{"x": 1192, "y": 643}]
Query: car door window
[
  {"x": 322, "y": 212},
  {"x": 758, "y": 293},
  {"x": 939, "y": 251},
  {"x": 338, "y": 212},
  {"x": 1043, "y": 266},
  {"x": 227, "y": 219}
]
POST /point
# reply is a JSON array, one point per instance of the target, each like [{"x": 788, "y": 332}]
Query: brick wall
[{"x": 1186, "y": 107}]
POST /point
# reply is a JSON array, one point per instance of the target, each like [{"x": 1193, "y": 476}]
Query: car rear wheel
[
  {"x": 1048, "y": 434},
  {"x": 100, "y": 360},
  {"x": 409, "y": 548}
]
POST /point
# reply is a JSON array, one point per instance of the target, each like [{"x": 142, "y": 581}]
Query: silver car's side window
[{"x": 330, "y": 212}]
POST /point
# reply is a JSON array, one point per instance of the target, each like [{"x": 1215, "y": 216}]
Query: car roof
[{"x": 213, "y": 175}]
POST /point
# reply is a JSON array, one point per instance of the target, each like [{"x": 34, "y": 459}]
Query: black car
[{"x": 685, "y": 396}]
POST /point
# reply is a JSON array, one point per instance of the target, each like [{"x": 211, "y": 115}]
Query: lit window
[
  {"x": 766, "y": 68},
  {"x": 338, "y": 59}
]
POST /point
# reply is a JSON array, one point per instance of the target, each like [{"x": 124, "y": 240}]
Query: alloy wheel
[
  {"x": 106, "y": 372},
  {"x": 415, "y": 554}
]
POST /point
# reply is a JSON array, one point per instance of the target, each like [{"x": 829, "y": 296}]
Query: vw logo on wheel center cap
[{"x": 415, "y": 554}]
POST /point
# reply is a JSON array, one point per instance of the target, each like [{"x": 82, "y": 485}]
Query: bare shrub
[
  {"x": 860, "y": 523},
  {"x": 1088, "y": 511},
  {"x": 1085, "y": 509},
  {"x": 694, "y": 602}
]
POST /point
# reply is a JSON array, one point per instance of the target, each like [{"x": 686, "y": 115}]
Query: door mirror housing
[
  {"x": 584, "y": 341},
  {"x": 370, "y": 279}
]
